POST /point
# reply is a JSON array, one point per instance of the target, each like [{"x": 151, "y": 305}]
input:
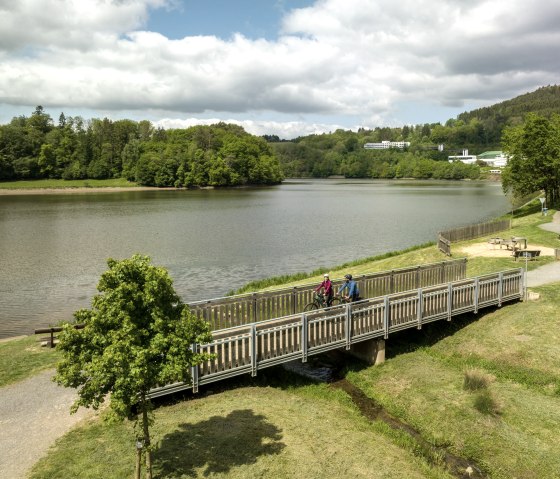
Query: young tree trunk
[
  {"x": 146, "y": 440},
  {"x": 138, "y": 463}
]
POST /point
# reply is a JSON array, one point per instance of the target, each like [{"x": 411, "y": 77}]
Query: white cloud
[{"x": 357, "y": 60}]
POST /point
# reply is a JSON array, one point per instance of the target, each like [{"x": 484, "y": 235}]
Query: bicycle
[{"x": 320, "y": 302}]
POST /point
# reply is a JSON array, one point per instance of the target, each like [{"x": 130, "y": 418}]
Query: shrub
[
  {"x": 475, "y": 380},
  {"x": 485, "y": 403}
]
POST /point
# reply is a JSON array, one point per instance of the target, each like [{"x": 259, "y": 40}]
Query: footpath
[
  {"x": 548, "y": 273},
  {"x": 34, "y": 413}
]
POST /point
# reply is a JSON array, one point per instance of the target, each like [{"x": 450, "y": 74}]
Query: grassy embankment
[
  {"x": 55, "y": 184},
  {"x": 283, "y": 426}
]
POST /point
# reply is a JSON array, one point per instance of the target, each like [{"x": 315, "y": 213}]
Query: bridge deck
[{"x": 247, "y": 348}]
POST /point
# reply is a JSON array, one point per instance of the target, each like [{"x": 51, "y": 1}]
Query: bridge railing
[
  {"x": 248, "y": 348},
  {"x": 242, "y": 309}
]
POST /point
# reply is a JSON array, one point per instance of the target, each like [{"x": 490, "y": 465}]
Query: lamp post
[{"x": 542, "y": 200}]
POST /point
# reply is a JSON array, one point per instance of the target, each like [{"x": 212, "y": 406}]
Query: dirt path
[{"x": 33, "y": 414}]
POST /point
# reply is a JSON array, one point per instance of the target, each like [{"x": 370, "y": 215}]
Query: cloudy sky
[{"x": 285, "y": 67}]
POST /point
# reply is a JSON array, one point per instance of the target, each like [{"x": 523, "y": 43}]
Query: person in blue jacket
[{"x": 351, "y": 286}]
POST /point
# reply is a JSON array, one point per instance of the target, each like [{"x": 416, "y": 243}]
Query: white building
[
  {"x": 491, "y": 158},
  {"x": 385, "y": 145},
  {"x": 465, "y": 158}
]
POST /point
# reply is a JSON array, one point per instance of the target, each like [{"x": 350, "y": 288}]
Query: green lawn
[
  {"x": 518, "y": 348},
  {"x": 50, "y": 184},
  {"x": 24, "y": 357},
  {"x": 307, "y": 431}
]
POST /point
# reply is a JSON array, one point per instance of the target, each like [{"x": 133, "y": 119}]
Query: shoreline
[{"x": 81, "y": 189}]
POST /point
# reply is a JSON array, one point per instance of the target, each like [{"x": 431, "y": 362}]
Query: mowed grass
[
  {"x": 518, "y": 348},
  {"x": 52, "y": 183},
  {"x": 309, "y": 431},
  {"x": 23, "y": 357}
]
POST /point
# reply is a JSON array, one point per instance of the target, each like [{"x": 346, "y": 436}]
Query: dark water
[{"x": 53, "y": 248}]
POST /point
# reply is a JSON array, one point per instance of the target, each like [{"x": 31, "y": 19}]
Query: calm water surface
[{"x": 53, "y": 248}]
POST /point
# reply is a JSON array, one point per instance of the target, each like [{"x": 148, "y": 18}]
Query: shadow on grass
[
  {"x": 411, "y": 340},
  {"x": 217, "y": 445}
]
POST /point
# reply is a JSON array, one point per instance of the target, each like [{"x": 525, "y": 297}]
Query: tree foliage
[
  {"x": 534, "y": 157},
  {"x": 216, "y": 155},
  {"x": 136, "y": 336}
]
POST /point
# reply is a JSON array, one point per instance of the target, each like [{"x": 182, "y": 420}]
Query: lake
[{"x": 54, "y": 247}]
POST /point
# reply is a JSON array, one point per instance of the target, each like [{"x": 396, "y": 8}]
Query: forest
[
  {"x": 218, "y": 155},
  {"x": 225, "y": 155}
]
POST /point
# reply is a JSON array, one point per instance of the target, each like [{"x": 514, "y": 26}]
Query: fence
[
  {"x": 243, "y": 309},
  {"x": 246, "y": 349},
  {"x": 445, "y": 238},
  {"x": 444, "y": 245}
]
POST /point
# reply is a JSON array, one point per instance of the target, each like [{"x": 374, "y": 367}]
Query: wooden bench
[{"x": 527, "y": 253}]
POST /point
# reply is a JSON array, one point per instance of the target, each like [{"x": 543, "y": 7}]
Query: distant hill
[{"x": 544, "y": 101}]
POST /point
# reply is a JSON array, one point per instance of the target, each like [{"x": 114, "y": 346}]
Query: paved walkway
[
  {"x": 33, "y": 414},
  {"x": 548, "y": 273}
]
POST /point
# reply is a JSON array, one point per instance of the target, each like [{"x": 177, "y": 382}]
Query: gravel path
[{"x": 33, "y": 414}]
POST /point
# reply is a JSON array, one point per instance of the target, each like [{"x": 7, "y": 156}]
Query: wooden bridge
[{"x": 255, "y": 331}]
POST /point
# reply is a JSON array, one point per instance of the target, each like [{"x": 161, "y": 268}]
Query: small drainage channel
[{"x": 325, "y": 371}]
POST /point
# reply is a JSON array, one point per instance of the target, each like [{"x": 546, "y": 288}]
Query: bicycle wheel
[
  {"x": 335, "y": 301},
  {"x": 311, "y": 307}
]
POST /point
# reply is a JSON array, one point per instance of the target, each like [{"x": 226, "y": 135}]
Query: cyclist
[
  {"x": 327, "y": 287},
  {"x": 352, "y": 287}
]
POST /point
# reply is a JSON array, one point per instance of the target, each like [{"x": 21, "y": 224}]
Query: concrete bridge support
[{"x": 371, "y": 351}]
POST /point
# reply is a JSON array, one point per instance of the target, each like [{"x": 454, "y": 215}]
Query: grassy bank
[
  {"x": 55, "y": 184},
  {"x": 303, "y": 430},
  {"x": 23, "y": 357},
  {"x": 508, "y": 426}
]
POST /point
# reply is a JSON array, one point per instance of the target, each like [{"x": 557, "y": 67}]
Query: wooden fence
[
  {"x": 246, "y": 349},
  {"x": 445, "y": 238},
  {"x": 243, "y": 309}
]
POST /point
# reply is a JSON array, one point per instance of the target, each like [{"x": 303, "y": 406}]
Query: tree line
[
  {"x": 342, "y": 153},
  {"x": 217, "y": 155}
]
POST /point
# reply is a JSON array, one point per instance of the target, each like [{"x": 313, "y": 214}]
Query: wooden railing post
[
  {"x": 255, "y": 318},
  {"x": 348, "y": 330},
  {"x": 303, "y": 337},
  {"x": 253, "y": 349},
  {"x": 500, "y": 289},
  {"x": 386, "y": 317},
  {"x": 449, "y": 301},
  {"x": 420, "y": 307},
  {"x": 194, "y": 370},
  {"x": 476, "y": 294}
]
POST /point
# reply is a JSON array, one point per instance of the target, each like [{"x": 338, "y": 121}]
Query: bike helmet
[
  {"x": 326, "y": 275},
  {"x": 348, "y": 276}
]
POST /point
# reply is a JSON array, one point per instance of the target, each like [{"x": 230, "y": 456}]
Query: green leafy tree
[
  {"x": 534, "y": 157},
  {"x": 137, "y": 335}
]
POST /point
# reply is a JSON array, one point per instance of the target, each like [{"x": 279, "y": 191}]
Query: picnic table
[{"x": 511, "y": 244}]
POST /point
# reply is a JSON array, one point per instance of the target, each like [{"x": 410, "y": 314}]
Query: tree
[
  {"x": 137, "y": 335},
  {"x": 534, "y": 157}
]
